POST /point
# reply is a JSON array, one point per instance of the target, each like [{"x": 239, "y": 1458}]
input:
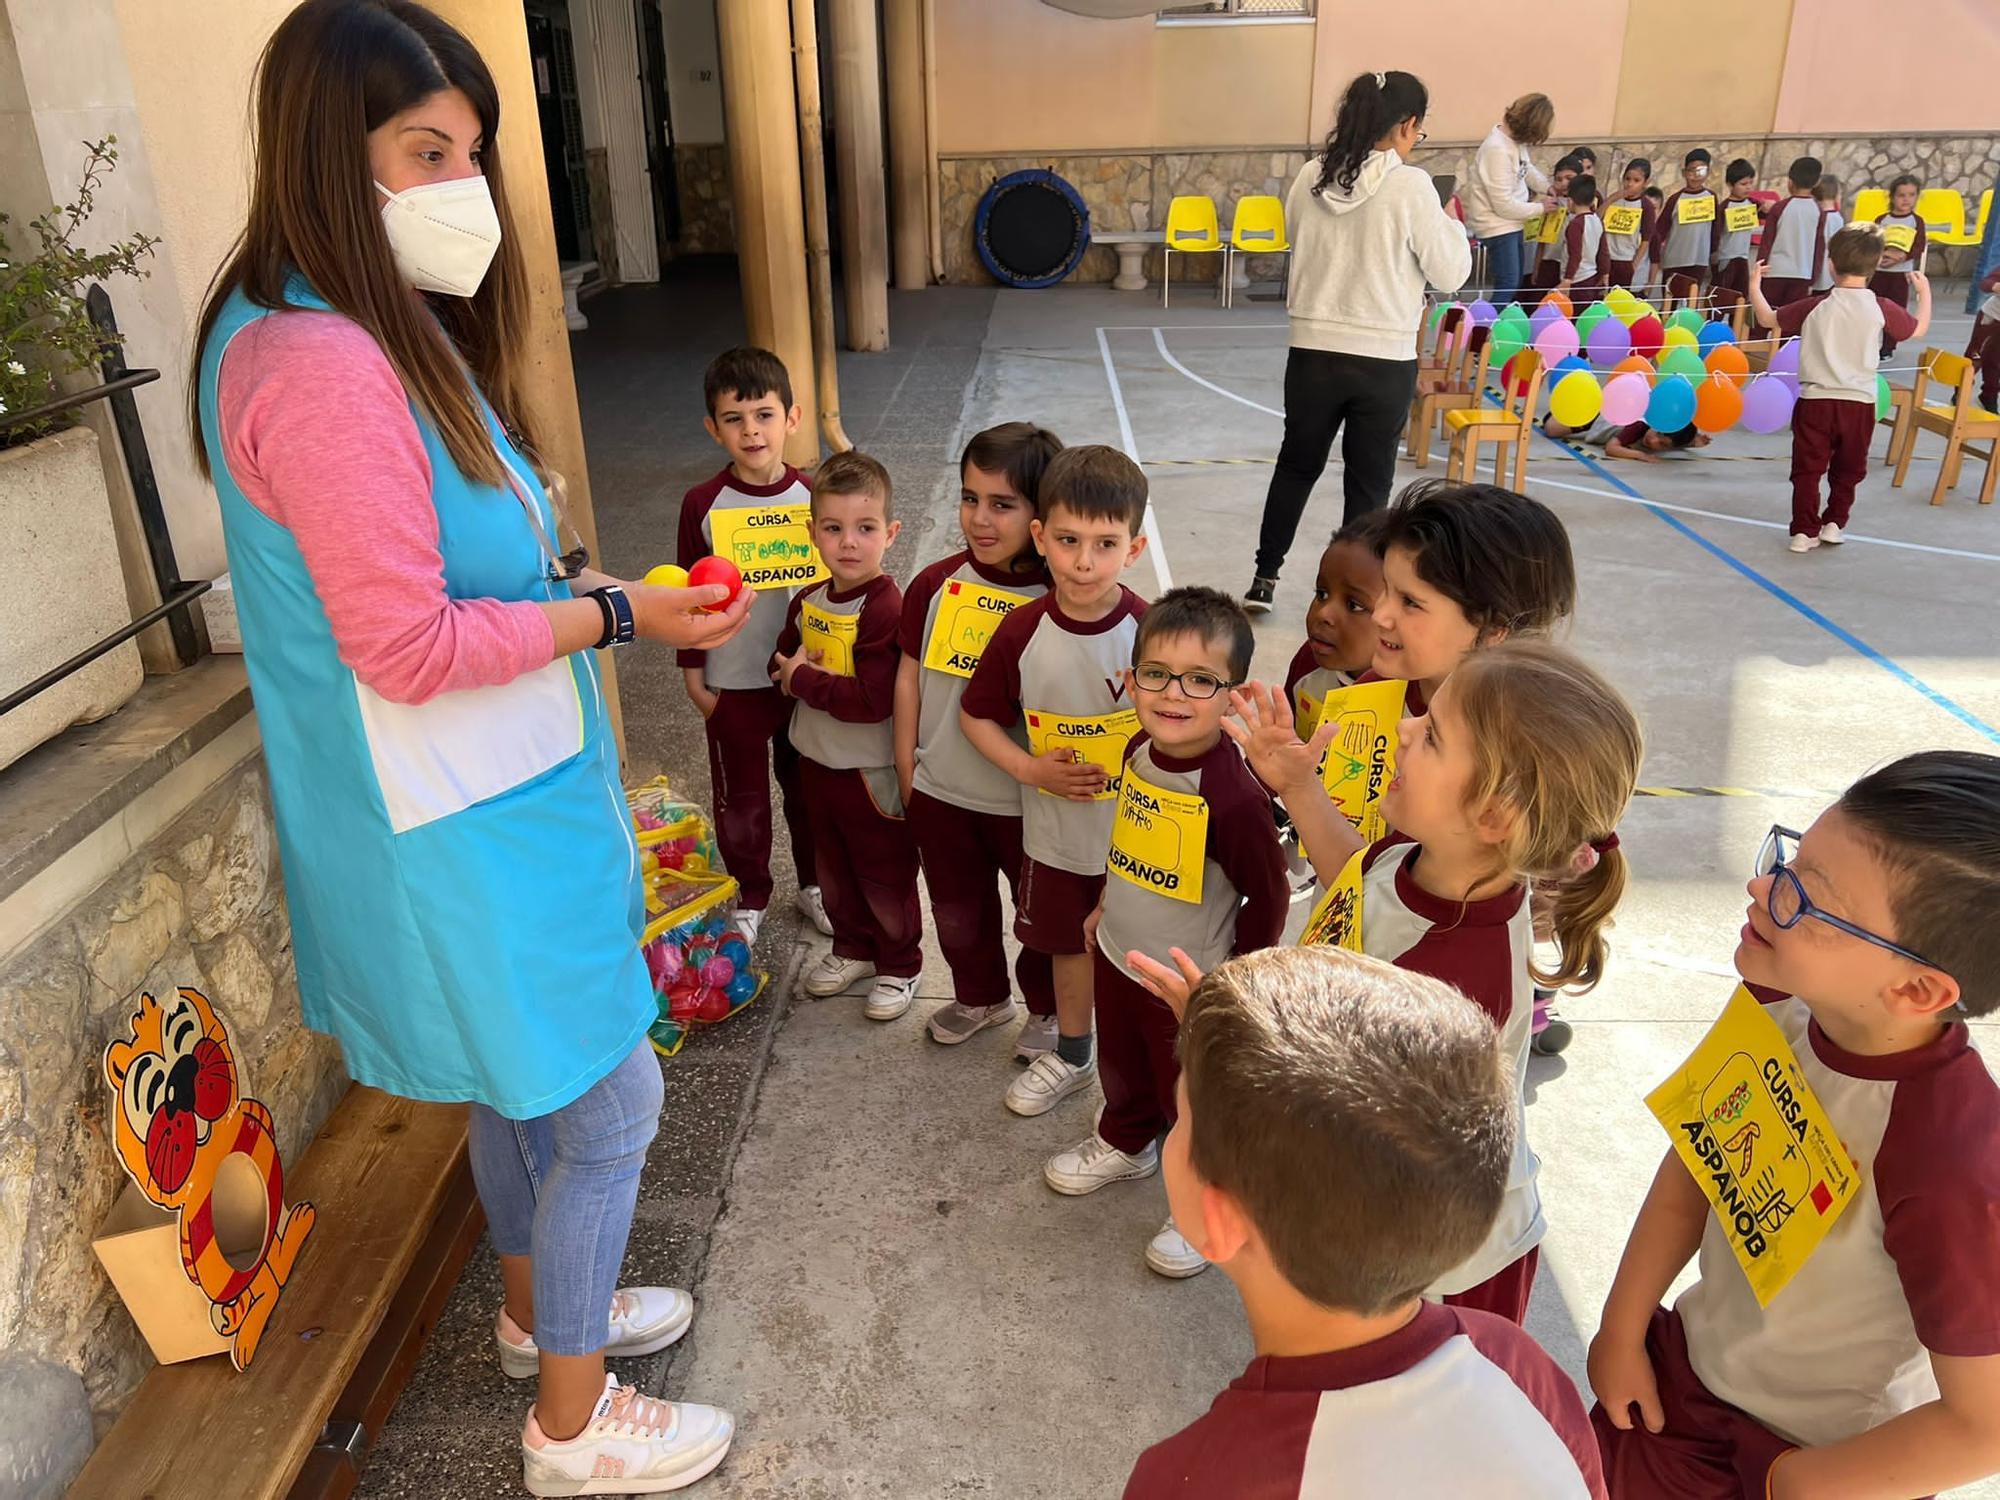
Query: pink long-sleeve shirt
[{"x": 318, "y": 433}]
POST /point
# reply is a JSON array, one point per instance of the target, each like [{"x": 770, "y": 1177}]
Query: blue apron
[{"x": 462, "y": 876}]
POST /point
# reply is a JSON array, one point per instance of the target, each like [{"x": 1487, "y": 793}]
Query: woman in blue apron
[{"x": 463, "y": 881}]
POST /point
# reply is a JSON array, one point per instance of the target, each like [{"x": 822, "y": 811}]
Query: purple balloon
[
  {"x": 1557, "y": 340},
  {"x": 1767, "y": 404},
  {"x": 1543, "y": 316},
  {"x": 1481, "y": 313},
  {"x": 1786, "y": 360},
  {"x": 1625, "y": 396},
  {"x": 1610, "y": 341}
]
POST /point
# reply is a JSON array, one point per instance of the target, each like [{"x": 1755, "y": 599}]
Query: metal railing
[{"x": 177, "y": 595}]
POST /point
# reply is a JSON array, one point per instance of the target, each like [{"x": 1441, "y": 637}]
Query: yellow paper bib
[
  {"x": 1740, "y": 216},
  {"x": 1699, "y": 210},
  {"x": 1159, "y": 840},
  {"x": 1551, "y": 228},
  {"x": 1899, "y": 237},
  {"x": 1758, "y": 1142},
  {"x": 968, "y": 613},
  {"x": 832, "y": 636},
  {"x": 1305, "y": 713},
  {"x": 773, "y": 547},
  {"x": 1097, "y": 738},
  {"x": 1336, "y": 919},
  {"x": 1361, "y": 761},
  {"x": 1622, "y": 218}
]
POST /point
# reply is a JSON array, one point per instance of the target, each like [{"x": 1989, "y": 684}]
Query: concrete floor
[{"x": 890, "y": 1299}]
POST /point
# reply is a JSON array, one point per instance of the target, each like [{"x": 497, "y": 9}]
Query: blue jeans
[
  {"x": 1503, "y": 266},
  {"x": 561, "y": 1188}
]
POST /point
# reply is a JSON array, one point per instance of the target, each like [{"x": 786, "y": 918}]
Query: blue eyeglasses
[{"x": 1788, "y": 904}]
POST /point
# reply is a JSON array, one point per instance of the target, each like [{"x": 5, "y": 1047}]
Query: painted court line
[
  {"x": 1154, "y": 546},
  {"x": 1160, "y": 343}
]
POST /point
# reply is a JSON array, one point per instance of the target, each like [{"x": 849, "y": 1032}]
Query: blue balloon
[
  {"x": 1574, "y": 362},
  {"x": 1672, "y": 404},
  {"x": 1713, "y": 333},
  {"x": 741, "y": 988}
]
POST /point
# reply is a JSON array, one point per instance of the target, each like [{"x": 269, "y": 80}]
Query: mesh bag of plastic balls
[{"x": 699, "y": 964}]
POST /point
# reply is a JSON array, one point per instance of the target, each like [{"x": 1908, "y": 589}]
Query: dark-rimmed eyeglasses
[
  {"x": 1787, "y": 904},
  {"x": 1197, "y": 684}
]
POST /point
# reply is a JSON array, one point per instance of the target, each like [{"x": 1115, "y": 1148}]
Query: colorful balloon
[
  {"x": 1560, "y": 303},
  {"x": 1543, "y": 316},
  {"x": 1767, "y": 404},
  {"x": 1576, "y": 399},
  {"x": 1685, "y": 317},
  {"x": 1625, "y": 398},
  {"x": 1717, "y": 406},
  {"x": 1715, "y": 332},
  {"x": 1647, "y": 335},
  {"x": 1558, "y": 341},
  {"x": 1727, "y": 362},
  {"x": 1481, "y": 313},
  {"x": 1786, "y": 360},
  {"x": 1609, "y": 342},
  {"x": 1636, "y": 364},
  {"x": 1683, "y": 360},
  {"x": 1678, "y": 338},
  {"x": 1589, "y": 318},
  {"x": 1671, "y": 406},
  {"x": 1883, "y": 405},
  {"x": 1502, "y": 345}
]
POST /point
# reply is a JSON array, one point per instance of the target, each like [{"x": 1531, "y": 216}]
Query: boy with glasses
[
  {"x": 1195, "y": 863},
  {"x": 1875, "y": 1371}
]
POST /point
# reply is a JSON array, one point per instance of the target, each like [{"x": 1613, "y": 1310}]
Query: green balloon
[
  {"x": 1510, "y": 315},
  {"x": 1502, "y": 345},
  {"x": 1686, "y": 317},
  {"x": 1682, "y": 360},
  {"x": 1589, "y": 318},
  {"x": 1881, "y": 397}
]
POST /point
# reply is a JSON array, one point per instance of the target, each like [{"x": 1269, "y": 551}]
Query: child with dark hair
[
  {"x": 1904, "y": 240},
  {"x": 1195, "y": 862},
  {"x": 1684, "y": 238},
  {"x": 1340, "y": 622},
  {"x": 1652, "y": 278},
  {"x": 1549, "y": 232},
  {"x": 1735, "y": 223},
  {"x": 964, "y": 810},
  {"x": 1876, "y": 1369},
  {"x": 1633, "y": 440},
  {"x": 744, "y": 718},
  {"x": 1983, "y": 347},
  {"x": 1628, "y": 223},
  {"x": 1586, "y": 262},
  {"x": 1344, "y": 1136},
  {"x": 1826, "y": 194},
  {"x": 1793, "y": 247}
]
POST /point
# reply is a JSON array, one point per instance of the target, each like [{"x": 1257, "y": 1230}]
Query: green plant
[{"x": 45, "y": 327}]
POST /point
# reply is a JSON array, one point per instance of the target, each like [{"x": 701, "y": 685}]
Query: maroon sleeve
[
  {"x": 1243, "y": 840},
  {"x": 1917, "y": 245},
  {"x": 1792, "y": 316},
  {"x": 1937, "y": 1176},
  {"x": 1538, "y": 1377},
  {"x": 1649, "y": 221},
  {"x": 789, "y": 638},
  {"x": 1302, "y": 662},
  {"x": 1897, "y": 322},
  {"x": 1630, "y": 434},
  {"x": 917, "y": 604},
  {"x": 994, "y": 691},
  {"x": 1246, "y": 1444},
  {"x": 869, "y": 696},
  {"x": 1819, "y": 243},
  {"x": 1476, "y": 961},
  {"x": 1572, "y": 246},
  {"x": 1603, "y": 252},
  {"x": 1990, "y": 282},
  {"x": 1770, "y": 235},
  {"x": 690, "y": 546}
]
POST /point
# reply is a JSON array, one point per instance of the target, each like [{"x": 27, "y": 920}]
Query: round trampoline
[{"x": 1031, "y": 229}]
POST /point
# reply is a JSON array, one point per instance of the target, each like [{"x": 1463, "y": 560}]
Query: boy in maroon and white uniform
[
  {"x": 837, "y": 657},
  {"x": 1586, "y": 263},
  {"x": 1793, "y": 247},
  {"x": 1874, "y": 1371},
  {"x": 750, "y": 413},
  {"x": 1057, "y": 668},
  {"x": 1684, "y": 233},
  {"x": 1195, "y": 864},
  {"x": 1840, "y": 334},
  {"x": 1344, "y": 1136}
]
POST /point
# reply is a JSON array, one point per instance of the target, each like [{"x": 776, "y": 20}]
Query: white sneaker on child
[
  {"x": 958, "y": 1022},
  {"x": 632, "y": 1445},
  {"x": 1172, "y": 1256},
  {"x": 1048, "y": 1081},
  {"x": 811, "y": 903},
  {"x": 833, "y": 975},
  {"x": 644, "y": 1320},
  {"x": 891, "y": 996},
  {"x": 1094, "y": 1162},
  {"x": 1039, "y": 1035},
  {"x": 1804, "y": 543},
  {"x": 1830, "y": 534},
  {"x": 746, "y": 923}
]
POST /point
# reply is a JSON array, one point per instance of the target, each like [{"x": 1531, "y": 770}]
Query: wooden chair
[
  {"x": 1437, "y": 353},
  {"x": 1960, "y": 423},
  {"x": 1463, "y": 380},
  {"x": 1510, "y": 429}
]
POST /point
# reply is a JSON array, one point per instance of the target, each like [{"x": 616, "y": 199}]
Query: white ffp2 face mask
[{"x": 443, "y": 234}]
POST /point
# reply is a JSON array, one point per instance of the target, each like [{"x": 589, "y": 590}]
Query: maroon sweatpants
[
  {"x": 1505, "y": 1293},
  {"x": 1829, "y": 438},
  {"x": 747, "y": 742},
  {"x": 1778, "y": 290},
  {"x": 1732, "y": 282},
  {"x": 1983, "y": 348},
  {"x": 1707, "y": 1449},
  {"x": 1135, "y": 1058},
  {"x": 1894, "y": 287},
  {"x": 1621, "y": 272},
  {"x": 867, "y": 863},
  {"x": 965, "y": 856}
]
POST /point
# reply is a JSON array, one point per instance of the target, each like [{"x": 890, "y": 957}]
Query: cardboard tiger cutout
[{"x": 180, "y": 1115}]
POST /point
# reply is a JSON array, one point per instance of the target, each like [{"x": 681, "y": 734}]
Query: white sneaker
[
  {"x": 1094, "y": 1162},
  {"x": 890, "y": 997},
  {"x": 1172, "y": 1256},
  {"x": 955, "y": 1023},
  {"x": 1035, "y": 1038},
  {"x": 632, "y": 1445},
  {"x": 644, "y": 1320},
  {"x": 1830, "y": 534},
  {"x": 746, "y": 923},
  {"x": 1048, "y": 1081},
  {"x": 1803, "y": 543},
  {"x": 834, "y": 976},
  {"x": 812, "y": 906}
]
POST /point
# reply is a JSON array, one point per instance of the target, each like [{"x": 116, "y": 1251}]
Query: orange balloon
[
  {"x": 1560, "y": 303},
  {"x": 1717, "y": 405},
  {"x": 1636, "y": 364},
  {"x": 1729, "y": 362}
]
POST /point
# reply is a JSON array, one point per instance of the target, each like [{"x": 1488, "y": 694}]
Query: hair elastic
[
  {"x": 1381, "y": 81},
  {"x": 1606, "y": 844}
]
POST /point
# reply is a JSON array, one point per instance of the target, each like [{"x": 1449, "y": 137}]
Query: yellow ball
[{"x": 666, "y": 575}]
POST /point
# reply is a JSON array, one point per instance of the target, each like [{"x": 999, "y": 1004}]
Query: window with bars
[{"x": 1240, "y": 10}]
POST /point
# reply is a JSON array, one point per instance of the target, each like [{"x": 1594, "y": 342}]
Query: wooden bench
[
  {"x": 1131, "y": 245},
  {"x": 397, "y": 1218}
]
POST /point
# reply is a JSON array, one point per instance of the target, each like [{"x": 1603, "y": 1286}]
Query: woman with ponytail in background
[{"x": 1368, "y": 231}]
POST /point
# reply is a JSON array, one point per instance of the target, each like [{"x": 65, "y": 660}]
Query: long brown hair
[{"x": 333, "y": 71}]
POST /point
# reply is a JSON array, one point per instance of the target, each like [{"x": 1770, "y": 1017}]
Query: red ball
[
  {"x": 720, "y": 570},
  {"x": 713, "y": 1007}
]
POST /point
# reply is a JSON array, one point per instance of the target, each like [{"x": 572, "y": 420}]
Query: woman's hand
[
  {"x": 1263, "y": 727},
  {"x": 1172, "y": 985},
  {"x": 678, "y": 617}
]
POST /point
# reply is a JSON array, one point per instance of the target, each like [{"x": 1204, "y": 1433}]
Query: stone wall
[
  {"x": 708, "y": 222},
  {"x": 201, "y": 905},
  {"x": 1131, "y": 190}
]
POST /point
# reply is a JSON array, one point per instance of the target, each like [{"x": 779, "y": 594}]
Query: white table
[{"x": 1131, "y": 245}]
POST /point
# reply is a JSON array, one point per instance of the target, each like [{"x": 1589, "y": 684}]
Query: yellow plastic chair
[
  {"x": 1509, "y": 429},
  {"x": 1959, "y": 423},
  {"x": 1258, "y": 228},
  {"x": 1973, "y": 234},
  {"x": 1192, "y": 229},
  {"x": 1869, "y": 205},
  {"x": 1943, "y": 213}
]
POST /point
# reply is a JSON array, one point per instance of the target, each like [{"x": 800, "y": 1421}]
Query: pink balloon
[
  {"x": 1558, "y": 341},
  {"x": 1625, "y": 398}
]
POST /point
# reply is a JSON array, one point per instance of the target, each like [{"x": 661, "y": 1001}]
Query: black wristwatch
[{"x": 617, "y": 611}]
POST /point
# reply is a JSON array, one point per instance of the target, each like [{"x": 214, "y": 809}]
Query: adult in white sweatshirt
[
  {"x": 1505, "y": 190},
  {"x": 1367, "y": 232}
]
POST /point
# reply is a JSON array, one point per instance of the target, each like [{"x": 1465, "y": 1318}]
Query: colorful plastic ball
[
  {"x": 667, "y": 575},
  {"x": 735, "y": 950},
  {"x": 717, "y": 972},
  {"x": 1727, "y": 362},
  {"x": 1715, "y": 332},
  {"x": 1671, "y": 406},
  {"x": 699, "y": 954},
  {"x": 716, "y": 922},
  {"x": 1625, "y": 398},
  {"x": 1647, "y": 336},
  {"x": 712, "y": 1007},
  {"x": 717, "y": 570},
  {"x": 1767, "y": 404},
  {"x": 742, "y": 988},
  {"x": 663, "y": 962},
  {"x": 1576, "y": 400},
  {"x": 1718, "y": 406}
]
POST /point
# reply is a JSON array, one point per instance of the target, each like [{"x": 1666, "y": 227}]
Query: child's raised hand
[
  {"x": 1059, "y": 770},
  {"x": 1172, "y": 985},
  {"x": 1262, "y": 725},
  {"x": 1920, "y": 283}
]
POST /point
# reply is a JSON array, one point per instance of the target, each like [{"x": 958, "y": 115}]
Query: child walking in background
[
  {"x": 1826, "y": 193},
  {"x": 1057, "y": 667},
  {"x": 744, "y": 717},
  {"x": 836, "y": 657},
  {"x": 1684, "y": 238},
  {"x": 964, "y": 810},
  {"x": 1585, "y": 262},
  {"x": 1629, "y": 221},
  {"x": 1734, "y": 227},
  {"x": 1904, "y": 240},
  {"x": 1840, "y": 346},
  {"x": 1794, "y": 241}
]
